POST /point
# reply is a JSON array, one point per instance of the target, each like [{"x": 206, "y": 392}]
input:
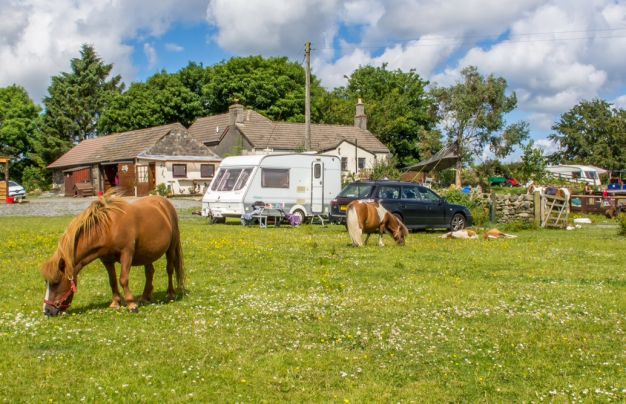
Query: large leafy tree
[
  {"x": 592, "y": 132},
  {"x": 163, "y": 99},
  {"x": 18, "y": 117},
  {"x": 472, "y": 113},
  {"x": 76, "y": 99},
  {"x": 398, "y": 109},
  {"x": 272, "y": 86}
]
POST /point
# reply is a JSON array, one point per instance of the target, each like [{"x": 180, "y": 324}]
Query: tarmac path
[{"x": 62, "y": 206}]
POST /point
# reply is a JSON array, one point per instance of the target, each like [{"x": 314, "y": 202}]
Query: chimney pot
[{"x": 360, "y": 119}]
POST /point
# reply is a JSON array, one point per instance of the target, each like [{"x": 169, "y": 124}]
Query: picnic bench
[
  {"x": 84, "y": 189},
  {"x": 276, "y": 214}
]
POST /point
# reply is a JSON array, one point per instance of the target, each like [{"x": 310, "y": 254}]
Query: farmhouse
[
  {"x": 137, "y": 162},
  {"x": 245, "y": 131}
]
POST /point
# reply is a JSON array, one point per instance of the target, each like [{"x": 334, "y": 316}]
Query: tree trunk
[{"x": 459, "y": 168}]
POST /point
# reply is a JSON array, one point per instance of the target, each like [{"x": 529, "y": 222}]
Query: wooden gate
[{"x": 554, "y": 211}]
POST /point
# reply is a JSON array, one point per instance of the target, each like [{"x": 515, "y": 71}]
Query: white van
[
  {"x": 300, "y": 184},
  {"x": 577, "y": 173}
]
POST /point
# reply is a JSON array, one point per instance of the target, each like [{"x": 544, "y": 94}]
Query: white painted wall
[
  {"x": 181, "y": 186},
  {"x": 353, "y": 153}
]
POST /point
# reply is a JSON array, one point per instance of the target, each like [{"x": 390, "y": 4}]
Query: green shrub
[
  {"x": 34, "y": 178},
  {"x": 161, "y": 190},
  {"x": 458, "y": 197}
]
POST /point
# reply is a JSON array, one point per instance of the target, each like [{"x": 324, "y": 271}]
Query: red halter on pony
[{"x": 370, "y": 217}]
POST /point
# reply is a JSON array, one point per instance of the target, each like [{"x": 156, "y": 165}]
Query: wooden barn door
[
  {"x": 71, "y": 178},
  {"x": 126, "y": 174},
  {"x": 143, "y": 180}
]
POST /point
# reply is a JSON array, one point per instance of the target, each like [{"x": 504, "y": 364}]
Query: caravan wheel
[{"x": 300, "y": 213}]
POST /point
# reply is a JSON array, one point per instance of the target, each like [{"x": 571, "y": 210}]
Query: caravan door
[{"x": 317, "y": 187}]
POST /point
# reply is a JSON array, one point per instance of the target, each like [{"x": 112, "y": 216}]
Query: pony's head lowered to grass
[{"x": 59, "y": 271}]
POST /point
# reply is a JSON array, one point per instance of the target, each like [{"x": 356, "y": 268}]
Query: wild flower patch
[{"x": 299, "y": 315}]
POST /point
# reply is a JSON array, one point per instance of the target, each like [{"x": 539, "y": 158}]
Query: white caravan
[
  {"x": 300, "y": 184},
  {"x": 577, "y": 173}
]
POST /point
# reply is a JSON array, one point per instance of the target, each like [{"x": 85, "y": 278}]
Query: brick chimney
[
  {"x": 235, "y": 114},
  {"x": 360, "y": 119}
]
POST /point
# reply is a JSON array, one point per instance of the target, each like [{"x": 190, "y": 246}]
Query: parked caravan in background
[
  {"x": 300, "y": 184},
  {"x": 577, "y": 173}
]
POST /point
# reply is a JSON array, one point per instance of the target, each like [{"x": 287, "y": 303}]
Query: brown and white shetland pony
[
  {"x": 114, "y": 230},
  {"x": 371, "y": 217}
]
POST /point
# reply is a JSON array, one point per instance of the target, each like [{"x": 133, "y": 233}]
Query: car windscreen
[
  {"x": 13, "y": 184},
  {"x": 231, "y": 179},
  {"x": 357, "y": 191}
]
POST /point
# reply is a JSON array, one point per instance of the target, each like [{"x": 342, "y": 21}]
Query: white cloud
[
  {"x": 151, "y": 55},
  {"x": 38, "y": 37},
  {"x": 272, "y": 27},
  {"x": 172, "y": 47},
  {"x": 547, "y": 145},
  {"x": 620, "y": 102}
]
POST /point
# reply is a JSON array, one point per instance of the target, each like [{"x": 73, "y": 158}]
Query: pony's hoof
[
  {"x": 114, "y": 305},
  {"x": 133, "y": 308}
]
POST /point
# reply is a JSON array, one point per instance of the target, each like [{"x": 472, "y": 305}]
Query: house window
[
  {"x": 179, "y": 170},
  {"x": 344, "y": 164},
  {"x": 207, "y": 170},
  {"x": 361, "y": 163},
  {"x": 142, "y": 174},
  {"x": 275, "y": 178}
]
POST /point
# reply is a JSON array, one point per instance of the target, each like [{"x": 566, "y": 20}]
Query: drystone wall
[{"x": 509, "y": 208}]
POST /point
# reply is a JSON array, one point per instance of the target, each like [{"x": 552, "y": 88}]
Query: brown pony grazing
[
  {"x": 370, "y": 217},
  {"x": 114, "y": 230}
]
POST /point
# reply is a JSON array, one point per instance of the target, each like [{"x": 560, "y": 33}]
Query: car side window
[
  {"x": 389, "y": 192},
  {"x": 428, "y": 195},
  {"x": 410, "y": 193}
]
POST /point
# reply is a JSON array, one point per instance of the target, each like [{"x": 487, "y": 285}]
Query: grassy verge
[{"x": 283, "y": 314}]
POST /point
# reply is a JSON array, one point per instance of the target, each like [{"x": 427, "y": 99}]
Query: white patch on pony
[
  {"x": 381, "y": 212},
  {"x": 47, "y": 296}
]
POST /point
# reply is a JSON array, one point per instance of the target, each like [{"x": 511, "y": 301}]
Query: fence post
[
  {"x": 537, "y": 207},
  {"x": 492, "y": 207}
]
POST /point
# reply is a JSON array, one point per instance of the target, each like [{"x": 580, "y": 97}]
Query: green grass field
[{"x": 284, "y": 314}]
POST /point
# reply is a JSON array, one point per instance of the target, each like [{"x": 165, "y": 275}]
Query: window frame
[
  {"x": 174, "y": 166},
  {"x": 264, "y": 180},
  {"x": 207, "y": 165}
]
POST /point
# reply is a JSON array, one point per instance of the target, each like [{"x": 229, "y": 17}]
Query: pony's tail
[
  {"x": 178, "y": 261},
  {"x": 354, "y": 230}
]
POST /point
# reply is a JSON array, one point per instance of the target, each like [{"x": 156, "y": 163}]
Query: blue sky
[{"x": 553, "y": 53}]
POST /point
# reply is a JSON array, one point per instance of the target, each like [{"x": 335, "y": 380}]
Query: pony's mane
[{"x": 94, "y": 219}]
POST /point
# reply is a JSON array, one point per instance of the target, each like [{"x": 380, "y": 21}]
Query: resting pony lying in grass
[
  {"x": 114, "y": 230},
  {"x": 371, "y": 217}
]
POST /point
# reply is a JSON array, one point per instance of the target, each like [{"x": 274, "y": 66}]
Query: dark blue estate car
[{"x": 417, "y": 206}]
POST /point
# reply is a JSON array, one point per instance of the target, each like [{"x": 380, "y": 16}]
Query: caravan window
[
  {"x": 591, "y": 174},
  {"x": 231, "y": 179},
  {"x": 275, "y": 178}
]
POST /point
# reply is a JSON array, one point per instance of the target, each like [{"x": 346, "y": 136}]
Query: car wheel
[
  {"x": 217, "y": 220},
  {"x": 457, "y": 222}
]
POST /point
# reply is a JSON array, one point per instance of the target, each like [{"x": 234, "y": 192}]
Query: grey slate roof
[
  {"x": 264, "y": 133},
  {"x": 117, "y": 146}
]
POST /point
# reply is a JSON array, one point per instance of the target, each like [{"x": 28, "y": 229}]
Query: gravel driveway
[{"x": 61, "y": 206}]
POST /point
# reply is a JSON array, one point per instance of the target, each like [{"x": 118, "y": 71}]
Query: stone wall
[{"x": 510, "y": 208}]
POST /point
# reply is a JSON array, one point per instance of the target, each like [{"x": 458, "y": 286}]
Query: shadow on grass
[{"x": 157, "y": 298}]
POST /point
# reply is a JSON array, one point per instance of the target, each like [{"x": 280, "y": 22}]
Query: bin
[{"x": 10, "y": 199}]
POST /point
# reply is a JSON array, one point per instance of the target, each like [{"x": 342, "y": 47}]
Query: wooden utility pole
[{"x": 307, "y": 97}]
